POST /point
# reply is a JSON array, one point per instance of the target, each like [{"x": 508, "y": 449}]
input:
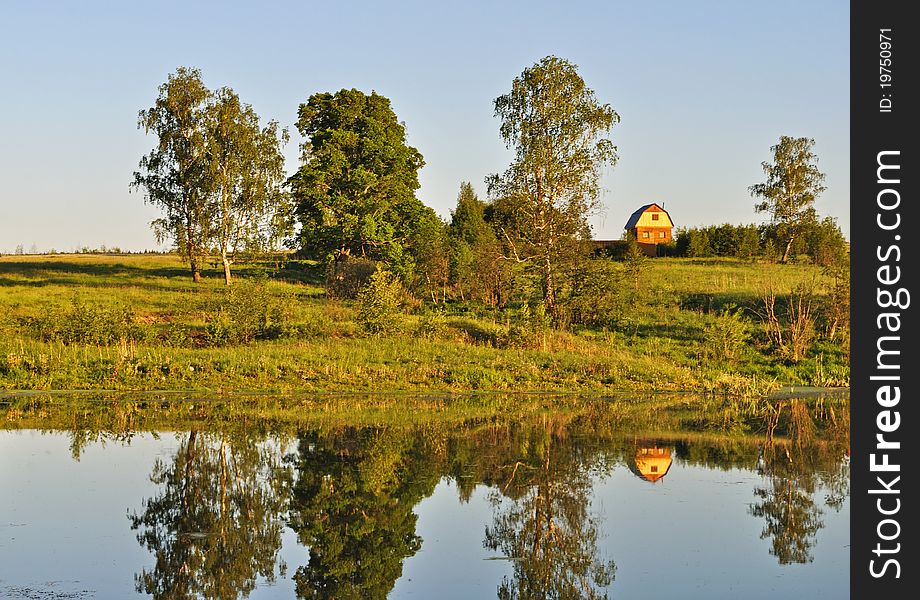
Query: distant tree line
[{"x": 820, "y": 241}]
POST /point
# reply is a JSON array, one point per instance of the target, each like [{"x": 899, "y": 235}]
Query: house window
[
  {"x": 661, "y": 234},
  {"x": 654, "y": 216},
  {"x": 645, "y": 234}
]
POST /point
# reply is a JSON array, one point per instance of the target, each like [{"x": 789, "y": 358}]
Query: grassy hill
[{"x": 137, "y": 322}]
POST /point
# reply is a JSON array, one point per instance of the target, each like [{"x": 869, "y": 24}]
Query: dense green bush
[
  {"x": 380, "y": 302},
  {"x": 600, "y": 293},
  {"x": 83, "y": 323},
  {"x": 726, "y": 335},
  {"x": 244, "y": 312}
]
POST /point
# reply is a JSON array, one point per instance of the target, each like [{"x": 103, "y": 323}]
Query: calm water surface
[{"x": 530, "y": 510}]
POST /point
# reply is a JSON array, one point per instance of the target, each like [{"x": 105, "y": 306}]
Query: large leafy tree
[
  {"x": 175, "y": 175},
  {"x": 355, "y": 192},
  {"x": 249, "y": 209},
  {"x": 793, "y": 182},
  {"x": 559, "y": 132}
]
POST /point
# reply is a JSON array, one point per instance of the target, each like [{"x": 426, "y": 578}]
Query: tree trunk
[
  {"x": 785, "y": 257},
  {"x": 549, "y": 287},
  {"x": 226, "y": 262},
  {"x": 196, "y": 270}
]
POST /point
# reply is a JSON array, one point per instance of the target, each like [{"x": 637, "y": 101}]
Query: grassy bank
[{"x": 138, "y": 322}]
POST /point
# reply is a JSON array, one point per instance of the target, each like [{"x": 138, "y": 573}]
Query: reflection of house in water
[{"x": 652, "y": 463}]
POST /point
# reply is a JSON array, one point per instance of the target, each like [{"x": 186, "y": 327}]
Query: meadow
[{"x": 138, "y": 322}]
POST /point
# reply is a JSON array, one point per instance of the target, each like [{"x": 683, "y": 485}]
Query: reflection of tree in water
[
  {"x": 542, "y": 522},
  {"x": 216, "y": 525},
  {"x": 794, "y": 471},
  {"x": 352, "y": 505}
]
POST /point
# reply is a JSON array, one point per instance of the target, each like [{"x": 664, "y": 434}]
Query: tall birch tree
[
  {"x": 559, "y": 132},
  {"x": 793, "y": 182},
  {"x": 175, "y": 175}
]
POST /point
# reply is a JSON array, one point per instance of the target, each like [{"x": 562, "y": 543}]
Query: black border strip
[{"x": 881, "y": 120}]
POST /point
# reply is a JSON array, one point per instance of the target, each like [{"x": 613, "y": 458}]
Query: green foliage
[
  {"x": 741, "y": 241},
  {"x": 432, "y": 325},
  {"x": 529, "y": 329},
  {"x": 249, "y": 211},
  {"x": 599, "y": 295},
  {"x": 346, "y": 275},
  {"x": 727, "y": 335},
  {"x": 355, "y": 191},
  {"x": 559, "y": 133},
  {"x": 825, "y": 244},
  {"x": 85, "y": 323},
  {"x": 245, "y": 312},
  {"x": 793, "y": 182},
  {"x": 379, "y": 303},
  {"x": 477, "y": 270},
  {"x": 175, "y": 175}
]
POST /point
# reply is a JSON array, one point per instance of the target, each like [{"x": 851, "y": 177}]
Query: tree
[
  {"x": 793, "y": 182},
  {"x": 248, "y": 207},
  {"x": 175, "y": 175},
  {"x": 352, "y": 506},
  {"x": 214, "y": 527},
  {"x": 558, "y": 130},
  {"x": 474, "y": 250},
  {"x": 355, "y": 191}
]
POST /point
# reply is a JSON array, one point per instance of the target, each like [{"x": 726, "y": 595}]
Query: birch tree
[
  {"x": 793, "y": 182},
  {"x": 559, "y": 132},
  {"x": 249, "y": 209},
  {"x": 175, "y": 175}
]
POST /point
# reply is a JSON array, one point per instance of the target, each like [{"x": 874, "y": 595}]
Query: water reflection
[
  {"x": 542, "y": 521},
  {"x": 793, "y": 470},
  {"x": 214, "y": 525},
  {"x": 352, "y": 505},
  {"x": 651, "y": 462}
]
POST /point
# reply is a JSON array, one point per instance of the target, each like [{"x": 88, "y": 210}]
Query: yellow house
[
  {"x": 651, "y": 224},
  {"x": 652, "y": 463}
]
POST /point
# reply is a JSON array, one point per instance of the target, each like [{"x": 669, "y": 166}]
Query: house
[
  {"x": 651, "y": 224},
  {"x": 652, "y": 463}
]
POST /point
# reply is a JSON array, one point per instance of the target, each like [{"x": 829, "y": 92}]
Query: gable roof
[{"x": 634, "y": 218}]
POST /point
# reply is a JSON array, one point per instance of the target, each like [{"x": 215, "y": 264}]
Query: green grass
[{"x": 49, "y": 303}]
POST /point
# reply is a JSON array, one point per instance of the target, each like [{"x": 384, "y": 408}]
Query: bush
[
  {"x": 598, "y": 296},
  {"x": 726, "y": 334},
  {"x": 431, "y": 325},
  {"x": 244, "y": 312},
  {"x": 380, "y": 302},
  {"x": 89, "y": 324},
  {"x": 346, "y": 275}
]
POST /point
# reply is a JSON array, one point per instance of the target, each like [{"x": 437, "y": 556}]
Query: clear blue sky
[{"x": 703, "y": 88}]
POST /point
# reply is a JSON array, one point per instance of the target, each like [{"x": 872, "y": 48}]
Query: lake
[{"x": 672, "y": 498}]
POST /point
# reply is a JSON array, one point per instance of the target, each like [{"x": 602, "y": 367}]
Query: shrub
[
  {"x": 244, "y": 312},
  {"x": 431, "y": 325},
  {"x": 346, "y": 275},
  {"x": 380, "y": 302},
  {"x": 726, "y": 334},
  {"x": 598, "y": 296},
  {"x": 89, "y": 324}
]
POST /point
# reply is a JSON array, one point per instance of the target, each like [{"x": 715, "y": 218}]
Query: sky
[{"x": 703, "y": 89}]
